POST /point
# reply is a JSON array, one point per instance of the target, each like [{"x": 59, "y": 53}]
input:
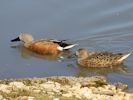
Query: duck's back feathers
[{"x": 105, "y": 55}]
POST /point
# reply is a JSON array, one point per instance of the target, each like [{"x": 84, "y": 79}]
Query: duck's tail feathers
[
  {"x": 66, "y": 47},
  {"x": 124, "y": 57},
  {"x": 69, "y": 46}
]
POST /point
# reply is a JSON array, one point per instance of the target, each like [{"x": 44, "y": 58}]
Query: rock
[
  {"x": 76, "y": 87},
  {"x": 37, "y": 91},
  {"x": 18, "y": 85},
  {"x": 57, "y": 87},
  {"x": 25, "y": 98},
  {"x": 30, "y": 98},
  {"x": 78, "y": 96},
  {"x": 4, "y": 88},
  {"x": 22, "y": 98},
  {"x": 56, "y": 98},
  {"x": 85, "y": 92},
  {"x": 67, "y": 95},
  {"x": 1, "y": 97},
  {"x": 50, "y": 93},
  {"x": 48, "y": 86}
]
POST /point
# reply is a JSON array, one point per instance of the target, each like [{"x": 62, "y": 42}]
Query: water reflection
[
  {"x": 27, "y": 54},
  {"x": 102, "y": 71}
]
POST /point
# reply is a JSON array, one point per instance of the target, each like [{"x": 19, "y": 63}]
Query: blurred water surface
[{"x": 97, "y": 25}]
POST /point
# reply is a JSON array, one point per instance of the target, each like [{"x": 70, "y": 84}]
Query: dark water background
[{"x": 97, "y": 25}]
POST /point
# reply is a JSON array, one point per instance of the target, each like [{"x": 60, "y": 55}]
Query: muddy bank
[{"x": 63, "y": 88}]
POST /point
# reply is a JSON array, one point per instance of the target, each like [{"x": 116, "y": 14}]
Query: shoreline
[{"x": 63, "y": 88}]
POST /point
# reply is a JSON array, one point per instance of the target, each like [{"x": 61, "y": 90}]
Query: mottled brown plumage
[
  {"x": 43, "y": 46},
  {"x": 99, "y": 59}
]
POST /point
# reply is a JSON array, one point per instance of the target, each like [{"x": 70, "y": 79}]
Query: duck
[
  {"x": 43, "y": 46},
  {"x": 99, "y": 59}
]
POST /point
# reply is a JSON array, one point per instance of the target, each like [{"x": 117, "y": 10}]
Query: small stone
[
  {"x": 76, "y": 87},
  {"x": 30, "y": 98},
  {"x": 4, "y": 88},
  {"x": 85, "y": 92},
  {"x": 1, "y": 97},
  {"x": 57, "y": 85},
  {"x": 37, "y": 91},
  {"x": 56, "y": 98},
  {"x": 78, "y": 96},
  {"x": 67, "y": 95},
  {"x": 19, "y": 85},
  {"x": 50, "y": 82},
  {"x": 50, "y": 93},
  {"x": 48, "y": 86},
  {"x": 56, "y": 90},
  {"x": 22, "y": 98},
  {"x": 65, "y": 88}
]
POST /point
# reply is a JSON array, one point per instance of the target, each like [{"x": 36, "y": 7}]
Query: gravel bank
[{"x": 63, "y": 88}]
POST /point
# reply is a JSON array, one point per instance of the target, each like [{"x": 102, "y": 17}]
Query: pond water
[{"x": 98, "y": 25}]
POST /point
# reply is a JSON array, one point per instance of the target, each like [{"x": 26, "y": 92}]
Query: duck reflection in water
[{"x": 82, "y": 71}]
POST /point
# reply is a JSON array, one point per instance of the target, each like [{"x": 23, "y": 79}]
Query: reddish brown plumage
[{"x": 43, "y": 47}]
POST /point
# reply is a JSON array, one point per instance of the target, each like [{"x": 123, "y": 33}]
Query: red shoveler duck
[
  {"x": 43, "y": 46},
  {"x": 99, "y": 59}
]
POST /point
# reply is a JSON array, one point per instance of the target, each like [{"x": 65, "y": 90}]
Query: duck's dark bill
[{"x": 16, "y": 39}]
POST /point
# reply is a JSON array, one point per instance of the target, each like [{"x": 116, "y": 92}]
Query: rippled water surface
[{"x": 97, "y": 25}]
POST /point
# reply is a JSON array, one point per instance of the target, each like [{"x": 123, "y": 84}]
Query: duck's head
[
  {"x": 24, "y": 37},
  {"x": 82, "y": 53}
]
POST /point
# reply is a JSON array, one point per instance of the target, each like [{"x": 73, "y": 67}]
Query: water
[{"x": 97, "y": 25}]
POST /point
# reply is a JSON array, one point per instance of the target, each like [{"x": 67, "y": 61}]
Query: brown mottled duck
[{"x": 99, "y": 59}]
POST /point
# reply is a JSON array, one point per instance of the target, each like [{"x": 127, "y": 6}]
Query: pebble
[
  {"x": 48, "y": 86},
  {"x": 67, "y": 95},
  {"x": 56, "y": 98},
  {"x": 30, "y": 98},
  {"x": 50, "y": 93},
  {"x": 18, "y": 85},
  {"x": 4, "y": 88},
  {"x": 1, "y": 97}
]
